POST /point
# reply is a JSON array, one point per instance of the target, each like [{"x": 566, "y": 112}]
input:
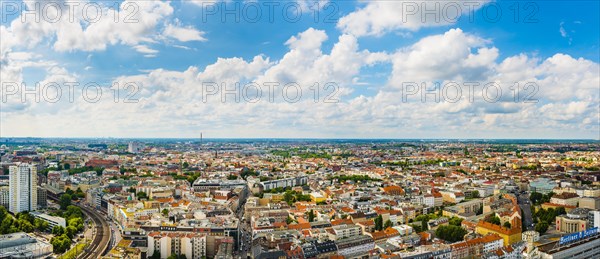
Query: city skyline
[{"x": 301, "y": 129}]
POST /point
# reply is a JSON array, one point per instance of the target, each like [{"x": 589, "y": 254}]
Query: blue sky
[{"x": 369, "y": 49}]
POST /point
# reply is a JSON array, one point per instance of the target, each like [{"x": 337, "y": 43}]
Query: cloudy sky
[{"x": 331, "y": 69}]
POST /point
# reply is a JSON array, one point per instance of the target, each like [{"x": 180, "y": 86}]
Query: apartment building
[
  {"x": 355, "y": 245},
  {"x": 23, "y": 188},
  {"x": 192, "y": 245},
  {"x": 344, "y": 231}
]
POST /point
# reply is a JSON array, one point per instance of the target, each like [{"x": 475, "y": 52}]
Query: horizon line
[{"x": 298, "y": 138}]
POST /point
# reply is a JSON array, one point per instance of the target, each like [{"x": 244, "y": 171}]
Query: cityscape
[
  {"x": 299, "y": 129},
  {"x": 299, "y": 198}
]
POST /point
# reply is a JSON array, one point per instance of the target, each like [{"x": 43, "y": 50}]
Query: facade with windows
[
  {"x": 52, "y": 220},
  {"x": 23, "y": 188},
  {"x": 192, "y": 245}
]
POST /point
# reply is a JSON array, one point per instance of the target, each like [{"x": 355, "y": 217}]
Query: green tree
[
  {"x": 71, "y": 231},
  {"x": 186, "y": 164},
  {"x": 560, "y": 211},
  {"x": 25, "y": 216},
  {"x": 493, "y": 219},
  {"x": 165, "y": 212},
  {"x": 3, "y": 213},
  {"x": 58, "y": 230},
  {"x": 424, "y": 225},
  {"x": 77, "y": 223},
  {"x": 64, "y": 201},
  {"x": 24, "y": 225},
  {"x": 79, "y": 193},
  {"x": 311, "y": 216},
  {"x": 142, "y": 195},
  {"x": 456, "y": 221},
  {"x": 378, "y": 223},
  {"x": 541, "y": 227},
  {"x": 289, "y": 198},
  {"x": 450, "y": 233},
  {"x": 388, "y": 223},
  {"x": 155, "y": 255},
  {"x": 536, "y": 198},
  {"x": 7, "y": 224},
  {"x": 60, "y": 244},
  {"x": 417, "y": 228},
  {"x": 40, "y": 225},
  {"x": 72, "y": 212}
]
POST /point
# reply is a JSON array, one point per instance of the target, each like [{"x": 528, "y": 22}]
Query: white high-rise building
[
  {"x": 22, "y": 188},
  {"x": 135, "y": 147}
]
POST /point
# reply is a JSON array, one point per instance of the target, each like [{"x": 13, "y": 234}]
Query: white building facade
[{"x": 22, "y": 188}]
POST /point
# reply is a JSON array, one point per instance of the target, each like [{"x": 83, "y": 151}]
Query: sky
[{"x": 300, "y": 69}]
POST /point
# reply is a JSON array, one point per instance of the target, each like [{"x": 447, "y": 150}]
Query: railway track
[
  {"x": 101, "y": 238},
  {"x": 102, "y": 234}
]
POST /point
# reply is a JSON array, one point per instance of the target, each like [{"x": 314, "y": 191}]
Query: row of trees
[
  {"x": 65, "y": 199},
  {"x": 61, "y": 242},
  {"x": 292, "y": 196},
  {"x": 450, "y": 233},
  {"x": 538, "y": 198},
  {"x": 24, "y": 222},
  {"x": 73, "y": 171},
  {"x": 454, "y": 221},
  {"x": 288, "y": 154},
  {"x": 544, "y": 218}
]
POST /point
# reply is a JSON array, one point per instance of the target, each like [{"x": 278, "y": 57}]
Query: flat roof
[{"x": 552, "y": 247}]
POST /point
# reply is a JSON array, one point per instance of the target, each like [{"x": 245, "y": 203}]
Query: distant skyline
[
  {"x": 373, "y": 52},
  {"x": 208, "y": 140}
]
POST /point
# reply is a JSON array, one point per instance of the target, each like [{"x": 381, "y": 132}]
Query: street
[
  {"x": 244, "y": 236},
  {"x": 525, "y": 205}
]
